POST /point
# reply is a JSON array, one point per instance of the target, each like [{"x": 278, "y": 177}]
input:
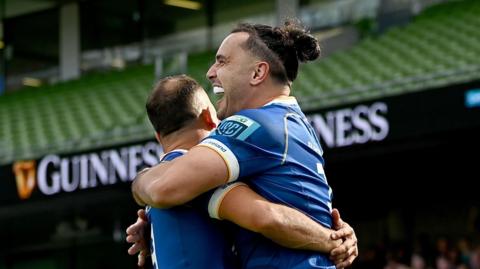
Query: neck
[
  {"x": 182, "y": 139},
  {"x": 269, "y": 94}
]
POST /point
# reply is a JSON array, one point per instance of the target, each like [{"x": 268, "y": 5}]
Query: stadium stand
[
  {"x": 99, "y": 109},
  {"x": 439, "y": 47},
  {"x": 75, "y": 114}
]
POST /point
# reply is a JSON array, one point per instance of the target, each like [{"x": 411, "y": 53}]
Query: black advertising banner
[
  {"x": 402, "y": 117},
  {"x": 348, "y": 128},
  {"x": 53, "y": 174}
]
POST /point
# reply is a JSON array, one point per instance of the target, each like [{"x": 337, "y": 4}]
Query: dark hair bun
[
  {"x": 307, "y": 48},
  {"x": 305, "y": 44}
]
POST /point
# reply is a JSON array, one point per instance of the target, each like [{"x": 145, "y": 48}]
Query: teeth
[{"x": 218, "y": 90}]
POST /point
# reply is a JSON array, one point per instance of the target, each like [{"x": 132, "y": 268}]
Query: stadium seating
[
  {"x": 73, "y": 115},
  {"x": 98, "y": 110},
  {"x": 439, "y": 47}
]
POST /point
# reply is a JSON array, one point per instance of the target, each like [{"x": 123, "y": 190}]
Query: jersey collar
[
  {"x": 182, "y": 151},
  {"x": 179, "y": 150},
  {"x": 285, "y": 100}
]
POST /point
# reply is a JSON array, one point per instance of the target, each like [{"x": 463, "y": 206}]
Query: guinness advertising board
[
  {"x": 406, "y": 117},
  {"x": 55, "y": 174},
  {"x": 362, "y": 125}
]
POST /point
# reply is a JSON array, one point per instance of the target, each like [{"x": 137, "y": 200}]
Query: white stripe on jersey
[
  {"x": 152, "y": 248},
  {"x": 227, "y": 155},
  {"x": 217, "y": 198}
]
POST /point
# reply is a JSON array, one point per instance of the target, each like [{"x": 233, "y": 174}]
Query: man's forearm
[
  {"x": 283, "y": 225},
  {"x": 293, "y": 229},
  {"x": 139, "y": 187},
  {"x": 144, "y": 185},
  {"x": 181, "y": 180}
]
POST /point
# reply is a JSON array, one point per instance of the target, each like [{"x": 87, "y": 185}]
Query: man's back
[{"x": 184, "y": 237}]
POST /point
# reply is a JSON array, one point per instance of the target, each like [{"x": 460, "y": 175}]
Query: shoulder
[
  {"x": 250, "y": 122},
  {"x": 239, "y": 126}
]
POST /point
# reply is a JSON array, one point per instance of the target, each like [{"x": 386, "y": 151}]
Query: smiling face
[{"x": 232, "y": 71}]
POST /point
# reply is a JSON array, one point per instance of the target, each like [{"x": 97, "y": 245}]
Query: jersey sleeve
[
  {"x": 217, "y": 196},
  {"x": 246, "y": 145}
]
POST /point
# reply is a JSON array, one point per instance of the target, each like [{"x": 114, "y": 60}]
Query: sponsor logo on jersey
[
  {"x": 237, "y": 126},
  {"x": 231, "y": 128},
  {"x": 215, "y": 144}
]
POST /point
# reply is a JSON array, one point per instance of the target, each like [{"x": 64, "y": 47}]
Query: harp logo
[{"x": 26, "y": 177}]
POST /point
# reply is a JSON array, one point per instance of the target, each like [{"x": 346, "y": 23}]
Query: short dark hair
[
  {"x": 170, "y": 106},
  {"x": 282, "y": 47}
]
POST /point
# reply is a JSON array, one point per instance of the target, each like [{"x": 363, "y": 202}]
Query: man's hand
[
  {"x": 136, "y": 234},
  {"x": 344, "y": 255}
]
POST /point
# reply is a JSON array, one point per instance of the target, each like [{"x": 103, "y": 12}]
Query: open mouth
[{"x": 218, "y": 90}]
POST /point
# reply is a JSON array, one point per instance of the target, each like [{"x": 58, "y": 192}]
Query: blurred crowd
[{"x": 423, "y": 254}]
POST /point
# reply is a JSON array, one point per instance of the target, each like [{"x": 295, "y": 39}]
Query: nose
[{"x": 211, "y": 73}]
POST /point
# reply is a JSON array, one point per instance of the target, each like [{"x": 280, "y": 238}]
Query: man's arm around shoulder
[{"x": 181, "y": 180}]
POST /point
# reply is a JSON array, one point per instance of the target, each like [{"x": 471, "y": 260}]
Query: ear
[
  {"x": 260, "y": 73},
  {"x": 207, "y": 119},
  {"x": 158, "y": 137}
]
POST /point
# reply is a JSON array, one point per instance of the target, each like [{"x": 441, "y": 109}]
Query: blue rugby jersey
[
  {"x": 275, "y": 150},
  {"x": 185, "y": 237}
]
